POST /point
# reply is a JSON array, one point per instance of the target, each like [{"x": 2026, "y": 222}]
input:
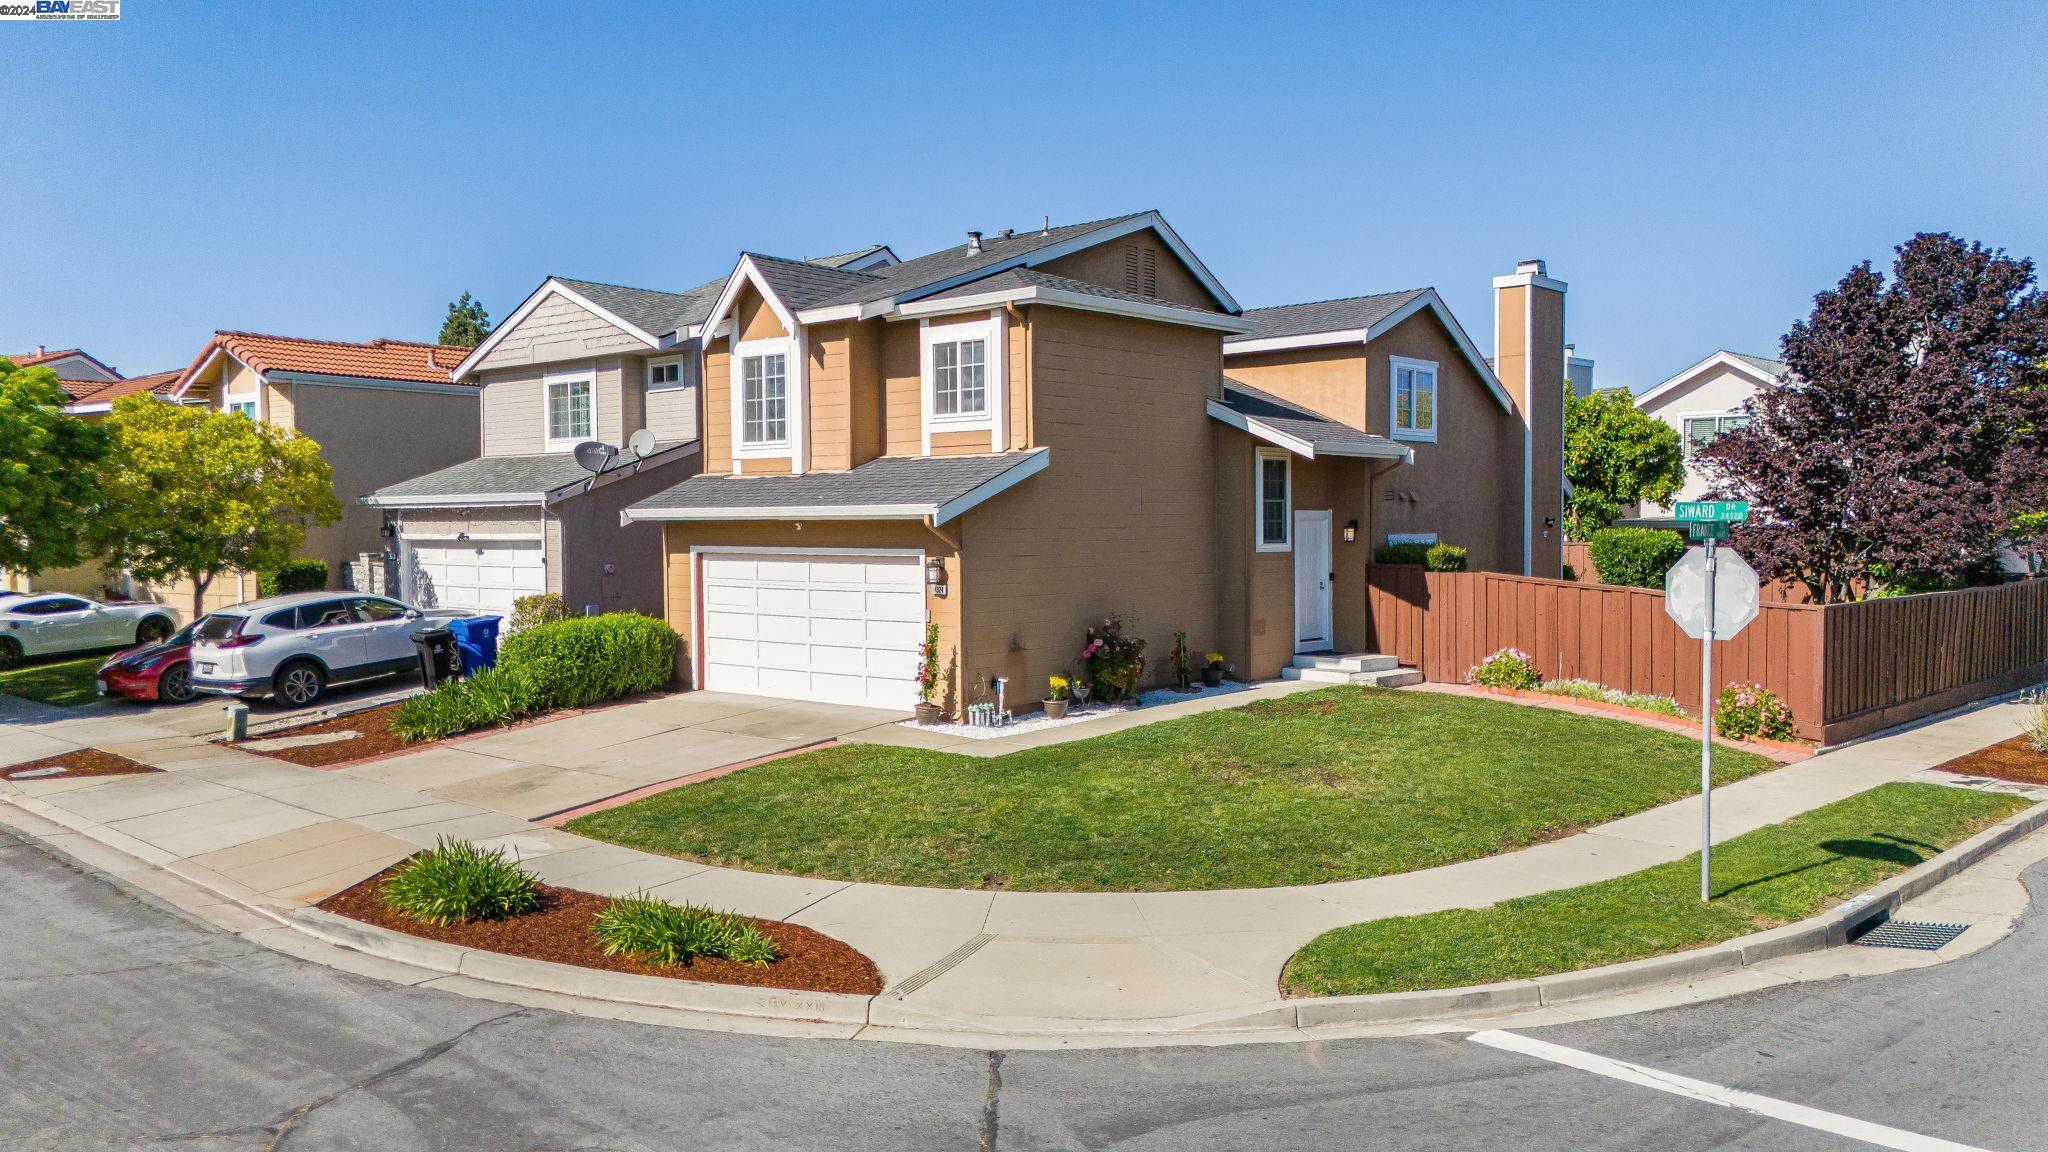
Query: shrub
[
  {"x": 458, "y": 881},
  {"x": 1435, "y": 557},
  {"x": 1567, "y": 572},
  {"x": 1588, "y": 690},
  {"x": 658, "y": 932},
  {"x": 1116, "y": 662},
  {"x": 1507, "y": 668},
  {"x": 589, "y": 659},
  {"x": 293, "y": 576},
  {"x": 1745, "y": 710},
  {"x": 928, "y": 664},
  {"x": 493, "y": 697},
  {"x": 2036, "y": 721},
  {"x": 1183, "y": 672},
  {"x": 539, "y": 608},
  {"x": 1637, "y": 557}
]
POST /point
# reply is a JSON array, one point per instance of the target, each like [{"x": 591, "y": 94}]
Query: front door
[{"x": 1312, "y": 581}]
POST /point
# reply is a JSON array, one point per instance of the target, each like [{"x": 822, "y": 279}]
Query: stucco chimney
[
  {"x": 974, "y": 243},
  {"x": 1528, "y": 356},
  {"x": 40, "y": 349}
]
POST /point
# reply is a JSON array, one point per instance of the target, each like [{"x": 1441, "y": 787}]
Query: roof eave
[{"x": 1079, "y": 301}]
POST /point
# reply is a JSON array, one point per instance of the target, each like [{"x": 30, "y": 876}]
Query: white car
[
  {"x": 48, "y": 624},
  {"x": 293, "y": 647}
]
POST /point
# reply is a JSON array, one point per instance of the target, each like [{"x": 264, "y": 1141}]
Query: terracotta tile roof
[
  {"x": 104, "y": 391},
  {"x": 376, "y": 359}
]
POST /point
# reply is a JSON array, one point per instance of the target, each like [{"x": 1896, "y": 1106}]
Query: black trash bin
[{"x": 439, "y": 658}]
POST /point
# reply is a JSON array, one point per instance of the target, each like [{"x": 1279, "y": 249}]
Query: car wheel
[
  {"x": 152, "y": 630},
  {"x": 299, "y": 683},
  {"x": 175, "y": 685},
  {"x": 10, "y": 652}
]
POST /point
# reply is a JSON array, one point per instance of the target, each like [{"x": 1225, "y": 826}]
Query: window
[
  {"x": 284, "y": 619},
  {"x": 370, "y": 611},
  {"x": 568, "y": 410},
  {"x": 662, "y": 376},
  {"x": 215, "y": 627},
  {"x": 51, "y": 607},
  {"x": 1700, "y": 431},
  {"x": 960, "y": 378},
  {"x": 764, "y": 398},
  {"x": 1413, "y": 385},
  {"x": 246, "y": 405},
  {"x": 1274, "y": 504}
]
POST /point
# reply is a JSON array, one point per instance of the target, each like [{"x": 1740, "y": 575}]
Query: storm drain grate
[{"x": 1910, "y": 934}]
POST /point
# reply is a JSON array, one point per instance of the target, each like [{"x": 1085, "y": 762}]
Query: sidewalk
[{"x": 278, "y": 836}]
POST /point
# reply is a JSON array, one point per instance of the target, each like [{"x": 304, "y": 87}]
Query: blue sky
[{"x": 337, "y": 171}]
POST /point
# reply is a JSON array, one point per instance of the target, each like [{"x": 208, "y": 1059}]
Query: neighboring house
[
  {"x": 577, "y": 361},
  {"x": 1013, "y": 438},
  {"x": 1579, "y": 370},
  {"x": 1702, "y": 402},
  {"x": 70, "y": 364},
  {"x": 92, "y": 400},
  {"x": 381, "y": 411}
]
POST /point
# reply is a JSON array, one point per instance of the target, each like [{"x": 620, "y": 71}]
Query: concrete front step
[
  {"x": 1381, "y": 678},
  {"x": 1346, "y": 662}
]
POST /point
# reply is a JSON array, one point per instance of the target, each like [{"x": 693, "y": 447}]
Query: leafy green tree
[
  {"x": 193, "y": 492},
  {"x": 1615, "y": 455},
  {"x": 49, "y": 482},
  {"x": 467, "y": 323}
]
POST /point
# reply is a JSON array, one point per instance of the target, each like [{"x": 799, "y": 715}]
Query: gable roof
[
  {"x": 802, "y": 284},
  {"x": 48, "y": 356},
  {"x": 96, "y": 393},
  {"x": 656, "y": 312},
  {"x": 879, "y": 253},
  {"x": 1306, "y": 434},
  {"x": 372, "y": 360},
  {"x": 1761, "y": 368},
  {"x": 886, "y": 488},
  {"x": 1027, "y": 285},
  {"x": 1358, "y": 320},
  {"x": 1343, "y": 314}
]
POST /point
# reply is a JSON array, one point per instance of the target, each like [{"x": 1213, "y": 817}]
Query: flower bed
[
  {"x": 1784, "y": 748},
  {"x": 1039, "y": 722},
  {"x": 84, "y": 762},
  {"x": 2016, "y": 760}
]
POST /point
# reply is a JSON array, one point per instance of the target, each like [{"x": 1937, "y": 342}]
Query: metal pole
[{"x": 1707, "y": 736}]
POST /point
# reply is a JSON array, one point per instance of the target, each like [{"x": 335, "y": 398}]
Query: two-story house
[
  {"x": 380, "y": 411},
  {"x": 1702, "y": 402},
  {"x": 1012, "y": 438}
]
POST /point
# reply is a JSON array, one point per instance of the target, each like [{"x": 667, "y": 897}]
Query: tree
[
  {"x": 467, "y": 323},
  {"x": 1615, "y": 455},
  {"x": 49, "y": 481},
  {"x": 1912, "y": 432},
  {"x": 193, "y": 492}
]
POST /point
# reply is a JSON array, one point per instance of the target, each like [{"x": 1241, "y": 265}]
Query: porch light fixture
[
  {"x": 935, "y": 575},
  {"x": 1351, "y": 532}
]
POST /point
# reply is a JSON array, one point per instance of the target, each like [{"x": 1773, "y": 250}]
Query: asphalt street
[{"x": 126, "y": 1025}]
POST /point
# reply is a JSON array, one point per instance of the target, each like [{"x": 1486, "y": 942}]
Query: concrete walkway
[{"x": 280, "y": 836}]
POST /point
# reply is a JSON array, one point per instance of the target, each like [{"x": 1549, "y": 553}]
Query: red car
[{"x": 161, "y": 671}]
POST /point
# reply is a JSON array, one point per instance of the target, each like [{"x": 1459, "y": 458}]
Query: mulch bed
[
  {"x": 2013, "y": 759},
  {"x": 372, "y": 727},
  {"x": 560, "y": 932},
  {"x": 84, "y": 762}
]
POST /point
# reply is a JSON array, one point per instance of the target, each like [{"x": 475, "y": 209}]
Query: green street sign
[
  {"x": 1714, "y": 511},
  {"x": 1699, "y": 530}
]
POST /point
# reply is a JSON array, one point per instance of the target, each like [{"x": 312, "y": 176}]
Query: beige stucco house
[
  {"x": 1014, "y": 437},
  {"x": 1702, "y": 402}
]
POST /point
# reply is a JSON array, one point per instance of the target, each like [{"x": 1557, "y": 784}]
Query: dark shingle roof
[
  {"x": 533, "y": 476},
  {"x": 1015, "y": 278},
  {"x": 846, "y": 257},
  {"x": 799, "y": 284},
  {"x": 657, "y": 312},
  {"x": 1324, "y": 435},
  {"x": 891, "y": 481},
  {"x": 910, "y": 275},
  {"x": 1347, "y": 314}
]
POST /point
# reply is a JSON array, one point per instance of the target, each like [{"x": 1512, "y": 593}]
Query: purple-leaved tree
[{"x": 1913, "y": 431}]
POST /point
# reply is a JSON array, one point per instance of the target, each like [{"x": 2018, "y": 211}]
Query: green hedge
[
  {"x": 1637, "y": 557},
  {"x": 588, "y": 659},
  {"x": 294, "y": 576},
  {"x": 1435, "y": 557}
]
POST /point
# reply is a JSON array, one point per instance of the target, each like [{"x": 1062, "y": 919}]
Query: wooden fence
[{"x": 1844, "y": 670}]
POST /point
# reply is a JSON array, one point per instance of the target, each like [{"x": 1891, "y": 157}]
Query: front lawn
[
  {"x": 1326, "y": 785},
  {"x": 68, "y": 682},
  {"x": 1769, "y": 877}
]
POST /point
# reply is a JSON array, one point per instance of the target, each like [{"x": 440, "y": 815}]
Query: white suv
[{"x": 293, "y": 647}]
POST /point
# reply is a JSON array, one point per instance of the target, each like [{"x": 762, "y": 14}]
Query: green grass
[
  {"x": 67, "y": 682},
  {"x": 1326, "y": 785},
  {"x": 1768, "y": 877}
]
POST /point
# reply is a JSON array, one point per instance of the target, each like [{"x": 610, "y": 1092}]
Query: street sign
[
  {"x": 1736, "y": 593},
  {"x": 1724, "y": 511},
  {"x": 1700, "y": 530}
]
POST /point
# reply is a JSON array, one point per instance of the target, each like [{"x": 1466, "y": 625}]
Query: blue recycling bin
[{"x": 476, "y": 637}]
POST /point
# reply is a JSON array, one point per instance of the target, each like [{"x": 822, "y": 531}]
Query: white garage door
[
  {"x": 483, "y": 574},
  {"x": 843, "y": 629}
]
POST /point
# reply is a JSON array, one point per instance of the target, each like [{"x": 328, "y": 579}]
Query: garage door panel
[
  {"x": 833, "y": 628},
  {"x": 481, "y": 574},
  {"x": 826, "y": 630},
  {"x": 907, "y": 606},
  {"x": 781, "y": 626},
  {"x": 850, "y": 601},
  {"x": 901, "y": 634},
  {"x": 729, "y": 595},
  {"x": 791, "y": 600}
]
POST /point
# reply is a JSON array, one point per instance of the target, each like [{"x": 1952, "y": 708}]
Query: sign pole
[{"x": 1707, "y": 737}]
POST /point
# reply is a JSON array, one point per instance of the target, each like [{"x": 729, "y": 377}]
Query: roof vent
[
  {"x": 40, "y": 350},
  {"x": 1530, "y": 266},
  {"x": 1006, "y": 233},
  {"x": 1045, "y": 226},
  {"x": 974, "y": 243}
]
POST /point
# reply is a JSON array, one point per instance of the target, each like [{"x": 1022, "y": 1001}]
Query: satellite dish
[
  {"x": 595, "y": 455},
  {"x": 641, "y": 443}
]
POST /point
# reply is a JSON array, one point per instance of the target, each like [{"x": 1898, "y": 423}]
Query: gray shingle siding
[{"x": 656, "y": 312}]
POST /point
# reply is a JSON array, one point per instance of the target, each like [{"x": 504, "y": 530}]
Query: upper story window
[
  {"x": 960, "y": 377},
  {"x": 569, "y": 415},
  {"x": 764, "y": 399},
  {"x": 246, "y": 405},
  {"x": 963, "y": 379},
  {"x": 1701, "y": 431},
  {"x": 1413, "y": 401},
  {"x": 665, "y": 374},
  {"x": 1274, "y": 500}
]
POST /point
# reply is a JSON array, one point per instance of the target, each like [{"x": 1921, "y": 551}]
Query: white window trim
[
  {"x": 790, "y": 447},
  {"x": 683, "y": 373},
  {"x": 254, "y": 395},
  {"x": 1685, "y": 449},
  {"x": 993, "y": 330},
  {"x": 549, "y": 441},
  {"x": 1259, "y": 458},
  {"x": 1436, "y": 415}
]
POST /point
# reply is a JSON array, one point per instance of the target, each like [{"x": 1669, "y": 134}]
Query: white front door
[
  {"x": 1312, "y": 581},
  {"x": 481, "y": 574},
  {"x": 842, "y": 628}
]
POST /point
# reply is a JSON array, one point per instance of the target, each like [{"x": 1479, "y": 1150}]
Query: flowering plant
[
  {"x": 1059, "y": 688},
  {"x": 1212, "y": 660},
  {"x": 1507, "y": 668},
  {"x": 928, "y": 664},
  {"x": 1745, "y": 710},
  {"x": 1115, "y": 661}
]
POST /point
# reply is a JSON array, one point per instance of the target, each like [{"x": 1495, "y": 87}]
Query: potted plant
[
  {"x": 1059, "y": 691},
  {"x": 1212, "y": 669},
  {"x": 928, "y": 676}
]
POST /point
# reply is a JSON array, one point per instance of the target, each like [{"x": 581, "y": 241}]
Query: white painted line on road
[{"x": 1705, "y": 1093}]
